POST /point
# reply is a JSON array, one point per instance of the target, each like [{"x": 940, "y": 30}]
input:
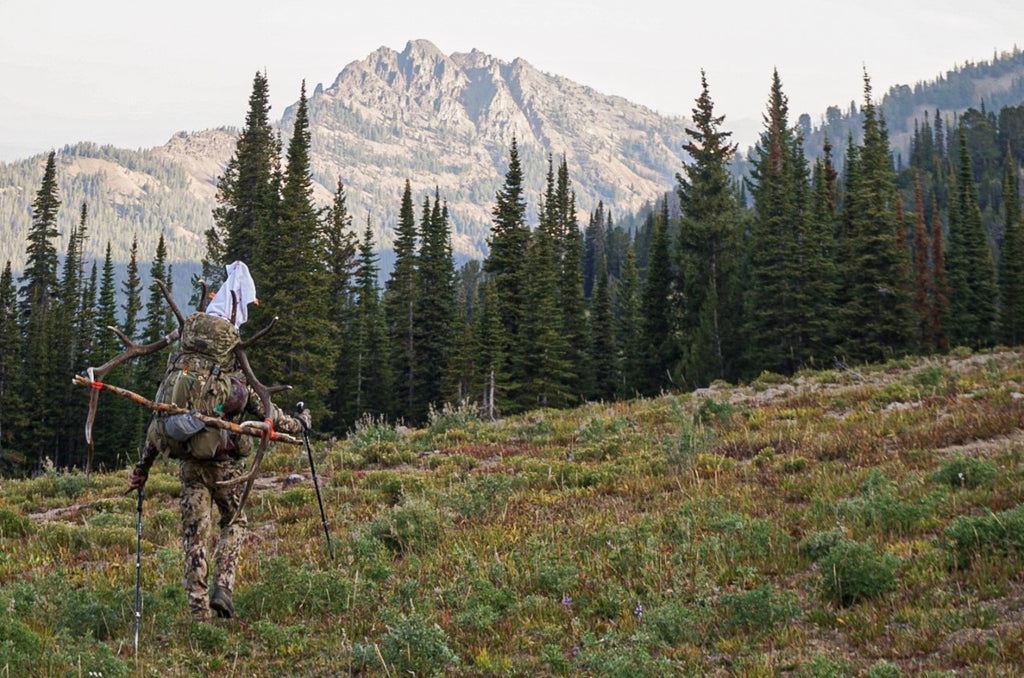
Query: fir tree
[
  {"x": 707, "y": 248},
  {"x": 506, "y": 264},
  {"x": 158, "y": 321},
  {"x": 10, "y": 360},
  {"x": 299, "y": 351},
  {"x": 41, "y": 384},
  {"x": 629, "y": 350},
  {"x": 341, "y": 248},
  {"x": 924, "y": 285},
  {"x": 939, "y": 319},
  {"x": 113, "y": 438},
  {"x": 435, "y": 309},
  {"x": 969, "y": 264},
  {"x": 778, "y": 299},
  {"x": 371, "y": 383},
  {"x": 570, "y": 286},
  {"x": 602, "y": 356},
  {"x": 399, "y": 300},
  {"x": 1011, "y": 269},
  {"x": 876, "y": 319},
  {"x": 656, "y": 334},
  {"x": 247, "y": 196}
]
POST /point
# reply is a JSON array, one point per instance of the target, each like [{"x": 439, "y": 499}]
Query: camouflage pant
[{"x": 199, "y": 492}]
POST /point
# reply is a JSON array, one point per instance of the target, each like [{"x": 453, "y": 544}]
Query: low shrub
[
  {"x": 409, "y": 526},
  {"x": 759, "y": 610},
  {"x": 851, "y": 572},
  {"x": 969, "y": 538},
  {"x": 966, "y": 472}
]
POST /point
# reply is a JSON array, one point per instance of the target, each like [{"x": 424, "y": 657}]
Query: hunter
[{"x": 202, "y": 376}]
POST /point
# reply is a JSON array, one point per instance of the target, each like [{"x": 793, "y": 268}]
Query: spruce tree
[
  {"x": 42, "y": 381},
  {"x": 629, "y": 353},
  {"x": 656, "y": 332},
  {"x": 10, "y": 361},
  {"x": 248, "y": 196},
  {"x": 876, "y": 320},
  {"x": 299, "y": 350},
  {"x": 778, "y": 304},
  {"x": 112, "y": 438},
  {"x": 570, "y": 286},
  {"x": 158, "y": 321},
  {"x": 939, "y": 319},
  {"x": 342, "y": 246},
  {"x": 491, "y": 358},
  {"x": 542, "y": 349},
  {"x": 435, "y": 310},
  {"x": 602, "y": 350},
  {"x": 371, "y": 374},
  {"x": 969, "y": 264},
  {"x": 1011, "y": 269},
  {"x": 924, "y": 285},
  {"x": 707, "y": 249},
  {"x": 506, "y": 265},
  {"x": 399, "y": 300}
]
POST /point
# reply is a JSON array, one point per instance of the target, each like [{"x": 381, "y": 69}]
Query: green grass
[{"x": 825, "y": 526}]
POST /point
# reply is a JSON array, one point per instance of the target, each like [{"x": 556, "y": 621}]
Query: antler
[
  {"x": 132, "y": 350},
  {"x": 264, "y": 394}
]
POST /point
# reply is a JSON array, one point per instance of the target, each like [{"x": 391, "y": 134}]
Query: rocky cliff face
[{"x": 446, "y": 122}]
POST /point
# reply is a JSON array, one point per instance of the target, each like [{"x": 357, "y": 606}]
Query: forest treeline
[{"x": 800, "y": 265}]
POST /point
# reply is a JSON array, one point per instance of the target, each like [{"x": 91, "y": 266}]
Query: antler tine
[
  {"x": 170, "y": 301},
  {"x": 268, "y": 412},
  {"x": 251, "y": 340},
  {"x": 203, "y": 300}
]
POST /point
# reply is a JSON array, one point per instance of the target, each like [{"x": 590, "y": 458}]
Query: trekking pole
[
  {"x": 138, "y": 571},
  {"x": 312, "y": 468}
]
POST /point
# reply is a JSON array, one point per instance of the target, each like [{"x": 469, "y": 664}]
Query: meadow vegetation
[{"x": 840, "y": 523}]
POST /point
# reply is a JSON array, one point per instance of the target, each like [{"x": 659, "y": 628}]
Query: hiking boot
[{"x": 221, "y": 603}]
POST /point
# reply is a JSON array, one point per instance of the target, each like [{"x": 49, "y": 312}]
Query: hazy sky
[{"x": 133, "y": 73}]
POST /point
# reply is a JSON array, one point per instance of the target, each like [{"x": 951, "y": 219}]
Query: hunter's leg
[
  {"x": 229, "y": 541},
  {"x": 195, "y": 524}
]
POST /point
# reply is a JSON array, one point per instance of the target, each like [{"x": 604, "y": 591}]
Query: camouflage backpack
[{"x": 199, "y": 378}]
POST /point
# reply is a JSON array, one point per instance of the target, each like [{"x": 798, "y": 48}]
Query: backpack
[{"x": 199, "y": 379}]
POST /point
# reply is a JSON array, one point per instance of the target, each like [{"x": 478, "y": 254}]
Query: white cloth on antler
[{"x": 239, "y": 282}]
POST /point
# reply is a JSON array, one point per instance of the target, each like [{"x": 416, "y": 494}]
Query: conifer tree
[
  {"x": 542, "y": 349},
  {"x": 491, "y": 357},
  {"x": 602, "y": 356},
  {"x": 656, "y": 334},
  {"x": 939, "y": 319},
  {"x": 248, "y": 196},
  {"x": 341, "y": 248},
  {"x": 1011, "y": 269},
  {"x": 924, "y": 285},
  {"x": 594, "y": 248},
  {"x": 435, "y": 309},
  {"x": 461, "y": 374},
  {"x": 506, "y": 265},
  {"x": 875, "y": 316},
  {"x": 299, "y": 351},
  {"x": 399, "y": 300},
  {"x": 66, "y": 337},
  {"x": 112, "y": 439},
  {"x": 629, "y": 350},
  {"x": 779, "y": 302},
  {"x": 41, "y": 384},
  {"x": 10, "y": 360},
  {"x": 969, "y": 264},
  {"x": 158, "y": 321},
  {"x": 371, "y": 374},
  {"x": 707, "y": 249},
  {"x": 570, "y": 286}
]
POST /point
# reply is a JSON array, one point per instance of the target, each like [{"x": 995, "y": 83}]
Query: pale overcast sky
[{"x": 133, "y": 73}]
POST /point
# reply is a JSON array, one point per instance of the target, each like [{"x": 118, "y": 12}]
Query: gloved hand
[
  {"x": 306, "y": 419},
  {"x": 137, "y": 480}
]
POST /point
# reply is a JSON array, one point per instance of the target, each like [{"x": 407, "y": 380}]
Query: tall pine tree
[{"x": 1011, "y": 269}]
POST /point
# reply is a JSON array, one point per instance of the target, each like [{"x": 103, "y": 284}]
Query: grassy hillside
[{"x": 840, "y": 524}]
